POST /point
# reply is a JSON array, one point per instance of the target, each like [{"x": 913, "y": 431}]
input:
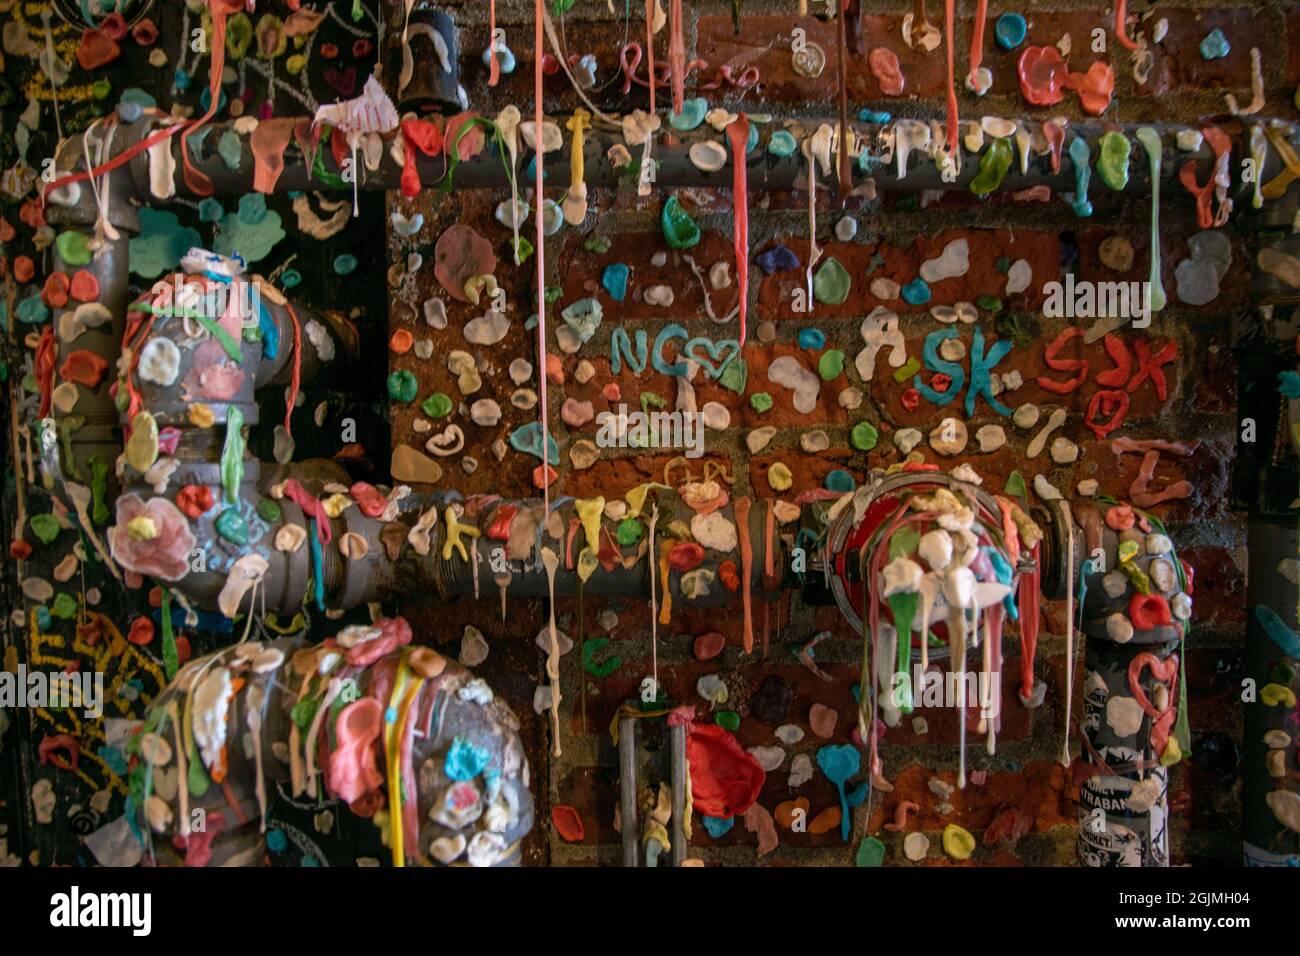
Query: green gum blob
[
  {"x": 1112, "y": 160},
  {"x": 680, "y": 230},
  {"x": 994, "y": 163}
]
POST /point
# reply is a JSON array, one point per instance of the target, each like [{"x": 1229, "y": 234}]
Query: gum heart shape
[
  {"x": 1042, "y": 75},
  {"x": 343, "y": 81},
  {"x": 352, "y": 772},
  {"x": 712, "y": 366},
  {"x": 1165, "y": 671}
]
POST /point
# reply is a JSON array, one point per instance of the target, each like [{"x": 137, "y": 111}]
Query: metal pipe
[
  {"x": 1265, "y": 483},
  {"x": 1123, "y": 803},
  {"x": 277, "y": 677},
  {"x": 674, "y": 168},
  {"x": 677, "y": 754},
  {"x": 627, "y": 773}
]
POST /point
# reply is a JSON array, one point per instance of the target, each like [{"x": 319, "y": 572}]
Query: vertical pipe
[
  {"x": 1269, "y": 765},
  {"x": 627, "y": 766},
  {"x": 1123, "y": 803},
  {"x": 1265, "y": 485},
  {"x": 677, "y": 743},
  {"x": 1119, "y": 826}
]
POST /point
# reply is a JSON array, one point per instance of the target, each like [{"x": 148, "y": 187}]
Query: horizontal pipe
[{"x": 674, "y": 168}]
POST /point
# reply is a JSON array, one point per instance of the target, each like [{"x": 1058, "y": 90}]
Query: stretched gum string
[
  {"x": 993, "y": 634},
  {"x": 654, "y": 613},
  {"x": 195, "y": 181},
  {"x": 310, "y": 505},
  {"x": 1121, "y": 26},
  {"x": 650, "y": 49},
  {"x": 742, "y": 506},
  {"x": 121, "y": 159},
  {"x": 296, "y": 380},
  {"x": 1028, "y": 628},
  {"x": 539, "y": 14},
  {"x": 677, "y": 54},
  {"x": 494, "y": 66},
  {"x": 738, "y": 138},
  {"x": 1069, "y": 626},
  {"x": 842, "y": 67},
  {"x": 406, "y": 740},
  {"x": 977, "y": 38},
  {"x": 769, "y": 559},
  {"x": 400, "y": 699},
  {"x": 952, "y": 89}
]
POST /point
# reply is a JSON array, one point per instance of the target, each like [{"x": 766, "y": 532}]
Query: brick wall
[{"x": 896, "y": 233}]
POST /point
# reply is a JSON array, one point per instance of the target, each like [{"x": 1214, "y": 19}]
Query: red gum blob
[
  {"x": 49, "y": 747},
  {"x": 84, "y": 367},
  {"x": 1119, "y": 518},
  {"x": 499, "y": 529},
  {"x": 417, "y": 135},
  {"x": 194, "y": 500},
  {"x": 145, "y": 32},
  {"x": 568, "y": 824},
  {"x": 887, "y": 71},
  {"x": 1042, "y": 75},
  {"x": 85, "y": 286},
  {"x": 709, "y": 646},
  {"x": 1095, "y": 87},
  {"x": 369, "y": 501},
  {"x": 685, "y": 556},
  {"x": 55, "y": 291},
  {"x": 114, "y": 26},
  {"x": 141, "y": 632},
  {"x": 97, "y": 49},
  {"x": 729, "y": 575},
  {"x": 198, "y": 845}
]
